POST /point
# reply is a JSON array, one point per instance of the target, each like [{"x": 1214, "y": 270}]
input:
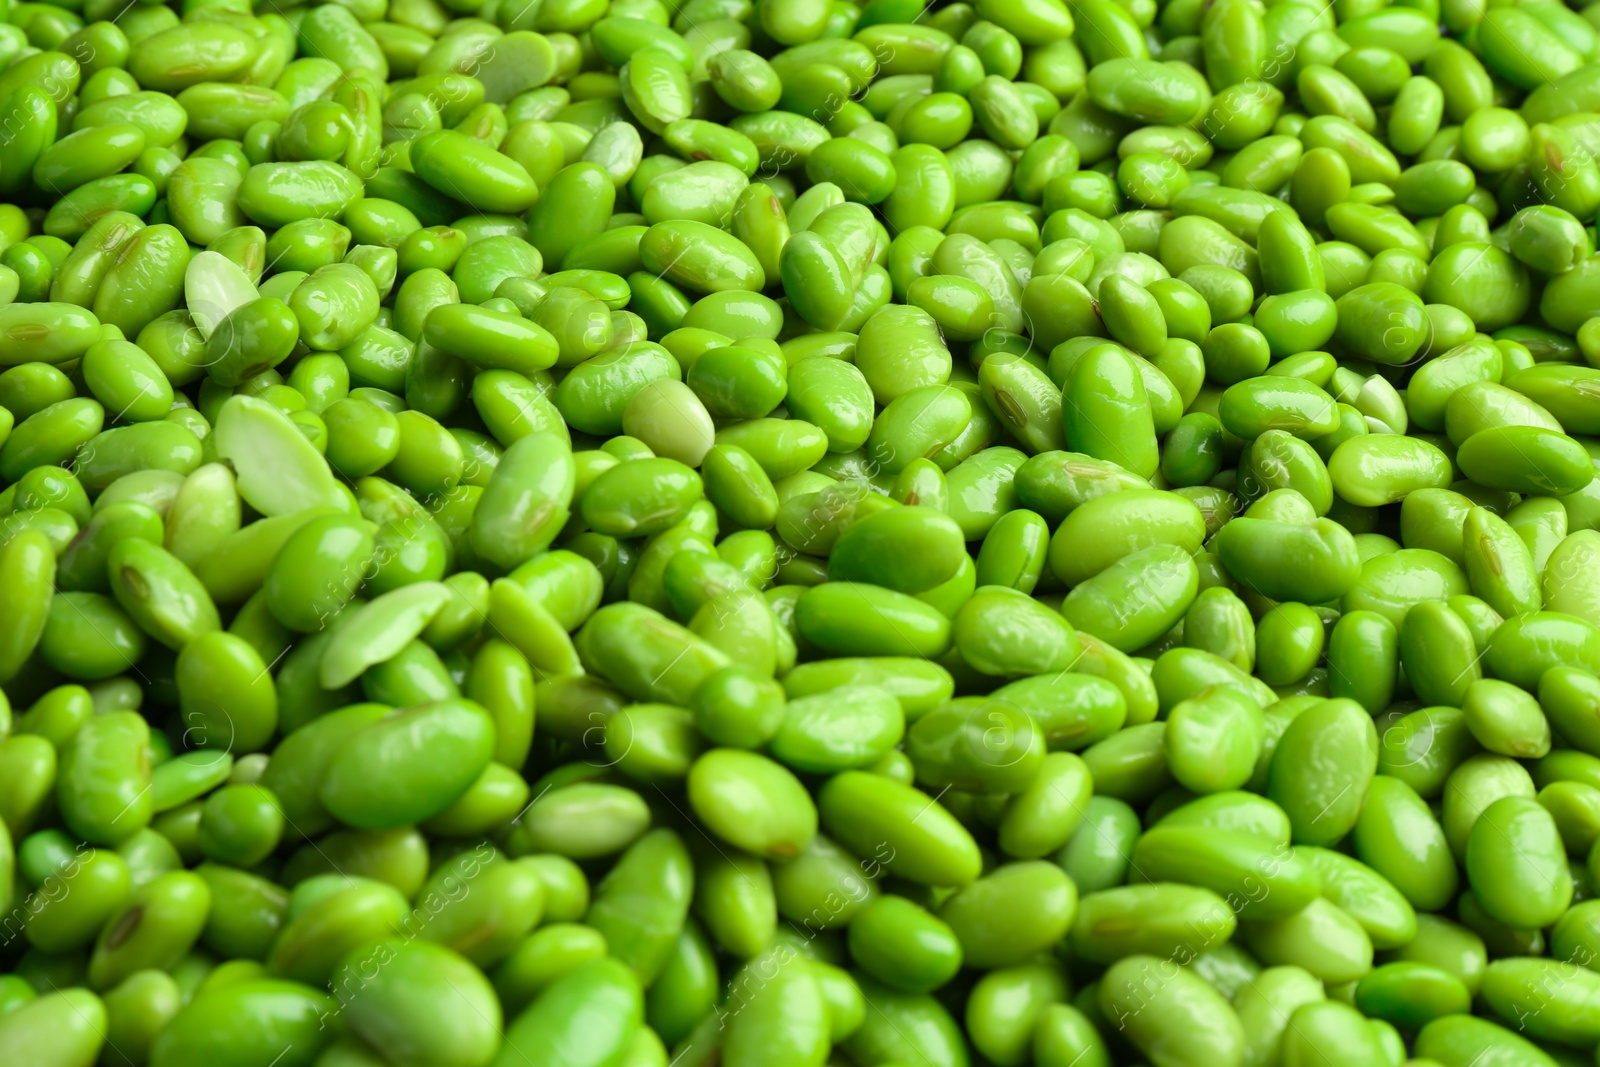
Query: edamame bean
[{"x": 987, "y": 456}]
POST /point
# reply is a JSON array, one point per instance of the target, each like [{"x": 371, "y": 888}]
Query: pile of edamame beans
[{"x": 799, "y": 533}]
